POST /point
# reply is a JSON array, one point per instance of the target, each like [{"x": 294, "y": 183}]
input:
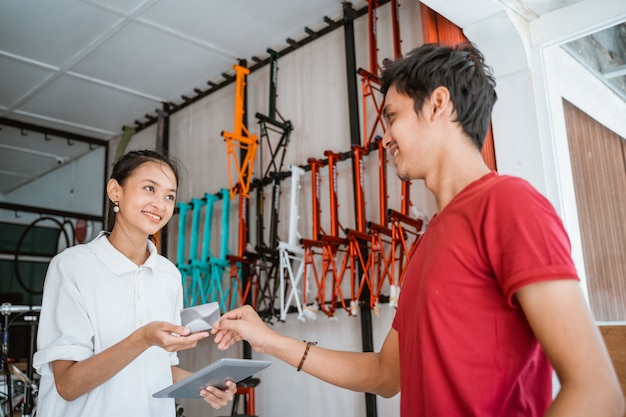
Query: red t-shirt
[{"x": 466, "y": 348}]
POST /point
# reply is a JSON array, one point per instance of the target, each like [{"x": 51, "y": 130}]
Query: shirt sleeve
[
  {"x": 524, "y": 237},
  {"x": 65, "y": 332}
]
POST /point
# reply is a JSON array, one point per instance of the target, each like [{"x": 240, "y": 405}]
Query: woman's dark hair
[
  {"x": 127, "y": 164},
  {"x": 461, "y": 69}
]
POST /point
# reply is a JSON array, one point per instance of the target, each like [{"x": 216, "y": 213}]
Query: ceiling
[{"x": 90, "y": 67}]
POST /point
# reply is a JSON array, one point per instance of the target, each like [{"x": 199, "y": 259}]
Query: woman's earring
[{"x": 116, "y": 207}]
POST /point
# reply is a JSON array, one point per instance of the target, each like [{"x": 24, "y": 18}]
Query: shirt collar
[{"x": 115, "y": 260}]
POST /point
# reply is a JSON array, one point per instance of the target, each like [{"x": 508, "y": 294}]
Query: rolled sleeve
[{"x": 65, "y": 331}]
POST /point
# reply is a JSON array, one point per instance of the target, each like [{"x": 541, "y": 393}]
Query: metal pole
[
  {"x": 367, "y": 339},
  {"x": 29, "y": 402},
  {"x": 163, "y": 142},
  {"x": 273, "y": 82},
  {"x": 244, "y": 217}
]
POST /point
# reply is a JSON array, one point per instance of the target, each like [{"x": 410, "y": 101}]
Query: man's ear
[
  {"x": 113, "y": 189},
  {"x": 440, "y": 103}
]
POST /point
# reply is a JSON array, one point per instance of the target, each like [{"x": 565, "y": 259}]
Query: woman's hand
[
  {"x": 170, "y": 337},
  {"x": 218, "y": 398}
]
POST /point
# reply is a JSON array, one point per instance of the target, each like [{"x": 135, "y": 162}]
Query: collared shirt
[{"x": 94, "y": 297}]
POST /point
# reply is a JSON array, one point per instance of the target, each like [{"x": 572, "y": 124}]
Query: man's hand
[{"x": 242, "y": 323}]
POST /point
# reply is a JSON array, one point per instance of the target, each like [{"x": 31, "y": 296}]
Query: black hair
[
  {"x": 461, "y": 69},
  {"x": 127, "y": 164}
]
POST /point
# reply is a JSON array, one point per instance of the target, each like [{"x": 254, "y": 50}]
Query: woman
[{"x": 110, "y": 320}]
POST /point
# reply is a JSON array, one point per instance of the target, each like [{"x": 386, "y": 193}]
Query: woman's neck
[{"x": 134, "y": 248}]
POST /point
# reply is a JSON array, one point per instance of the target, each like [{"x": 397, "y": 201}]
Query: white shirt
[{"x": 94, "y": 297}]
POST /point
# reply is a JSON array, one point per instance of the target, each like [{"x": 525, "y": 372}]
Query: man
[{"x": 491, "y": 301}]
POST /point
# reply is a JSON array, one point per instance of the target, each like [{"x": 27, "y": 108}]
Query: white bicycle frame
[{"x": 291, "y": 253}]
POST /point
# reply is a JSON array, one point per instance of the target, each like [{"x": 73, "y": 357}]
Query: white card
[{"x": 200, "y": 317}]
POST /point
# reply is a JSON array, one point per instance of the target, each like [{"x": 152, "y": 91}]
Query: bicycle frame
[{"x": 240, "y": 138}]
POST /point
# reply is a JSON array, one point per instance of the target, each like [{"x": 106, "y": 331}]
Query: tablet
[{"x": 215, "y": 374}]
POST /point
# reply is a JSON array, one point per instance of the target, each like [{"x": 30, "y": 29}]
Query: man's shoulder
[{"x": 512, "y": 185}]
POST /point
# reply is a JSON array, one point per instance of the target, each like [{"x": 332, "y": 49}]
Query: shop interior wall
[
  {"x": 72, "y": 187},
  {"x": 601, "y": 197},
  {"x": 29, "y": 239},
  {"x": 312, "y": 94}
]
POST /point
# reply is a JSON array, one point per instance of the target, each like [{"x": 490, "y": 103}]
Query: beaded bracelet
[{"x": 306, "y": 352}]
